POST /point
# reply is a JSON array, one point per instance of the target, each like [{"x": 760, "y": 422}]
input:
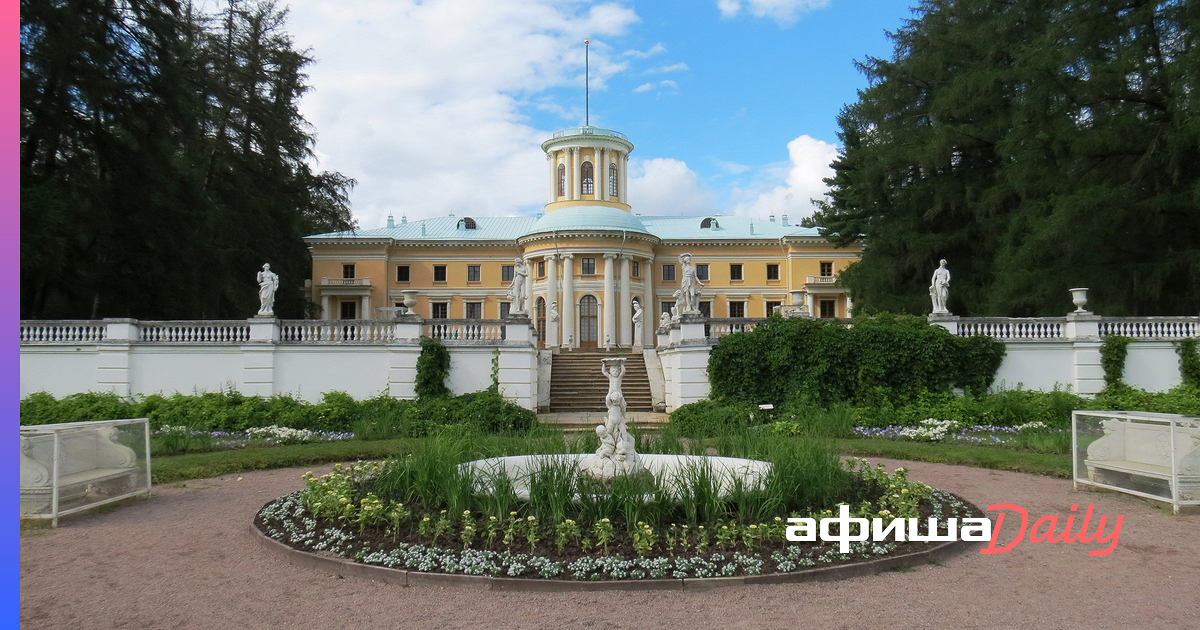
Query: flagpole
[{"x": 587, "y": 115}]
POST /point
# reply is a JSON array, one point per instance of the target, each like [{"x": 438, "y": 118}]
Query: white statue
[
  {"x": 517, "y": 290},
  {"x": 616, "y": 454},
  {"x": 554, "y": 311},
  {"x": 637, "y": 323},
  {"x": 268, "y": 282},
  {"x": 689, "y": 286},
  {"x": 939, "y": 288},
  {"x": 664, "y": 319}
]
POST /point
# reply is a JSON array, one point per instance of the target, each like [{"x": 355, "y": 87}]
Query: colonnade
[{"x": 616, "y": 304}]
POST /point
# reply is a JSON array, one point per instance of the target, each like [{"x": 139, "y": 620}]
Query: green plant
[
  {"x": 433, "y": 366},
  {"x": 1113, "y": 352},
  {"x": 1189, "y": 361}
]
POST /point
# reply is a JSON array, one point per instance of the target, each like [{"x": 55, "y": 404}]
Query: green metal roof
[{"x": 580, "y": 218}]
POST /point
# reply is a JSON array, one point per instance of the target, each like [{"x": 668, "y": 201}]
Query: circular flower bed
[{"x": 456, "y": 523}]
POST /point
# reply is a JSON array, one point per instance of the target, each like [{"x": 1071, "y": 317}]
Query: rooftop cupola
[{"x": 587, "y": 165}]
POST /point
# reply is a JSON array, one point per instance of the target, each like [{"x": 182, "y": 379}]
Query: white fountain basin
[{"x": 727, "y": 471}]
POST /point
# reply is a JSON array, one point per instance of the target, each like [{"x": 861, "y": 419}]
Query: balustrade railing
[
  {"x": 69, "y": 331},
  {"x": 194, "y": 332},
  {"x": 1040, "y": 328},
  {"x": 717, "y": 327},
  {"x": 465, "y": 329},
  {"x": 336, "y": 331},
  {"x": 1151, "y": 327}
]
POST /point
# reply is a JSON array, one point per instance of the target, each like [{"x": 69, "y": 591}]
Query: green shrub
[
  {"x": 1112, "y": 358},
  {"x": 1189, "y": 362},
  {"x": 42, "y": 408},
  {"x": 1184, "y": 399},
  {"x": 433, "y": 366},
  {"x": 708, "y": 418},
  {"x": 889, "y": 358}
]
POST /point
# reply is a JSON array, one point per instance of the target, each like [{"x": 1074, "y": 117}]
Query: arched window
[
  {"x": 708, "y": 223},
  {"x": 612, "y": 180},
  {"x": 562, "y": 180},
  {"x": 588, "y": 176}
]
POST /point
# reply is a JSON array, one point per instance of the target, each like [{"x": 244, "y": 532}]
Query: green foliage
[
  {"x": 164, "y": 159},
  {"x": 889, "y": 358},
  {"x": 433, "y": 366},
  {"x": 1184, "y": 399},
  {"x": 1021, "y": 141},
  {"x": 42, "y": 408},
  {"x": 707, "y": 418},
  {"x": 1189, "y": 362},
  {"x": 1113, "y": 352}
]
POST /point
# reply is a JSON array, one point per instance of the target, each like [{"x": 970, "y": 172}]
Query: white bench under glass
[
  {"x": 1151, "y": 455},
  {"x": 69, "y": 467}
]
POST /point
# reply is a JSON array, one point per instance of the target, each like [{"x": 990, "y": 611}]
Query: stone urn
[
  {"x": 1079, "y": 299},
  {"x": 410, "y": 298}
]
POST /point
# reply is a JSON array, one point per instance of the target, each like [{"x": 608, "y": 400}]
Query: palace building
[{"x": 589, "y": 256}]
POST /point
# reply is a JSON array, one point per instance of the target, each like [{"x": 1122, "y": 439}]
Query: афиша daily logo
[{"x": 978, "y": 529}]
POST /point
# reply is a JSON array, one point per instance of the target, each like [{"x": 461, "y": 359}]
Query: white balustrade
[
  {"x": 465, "y": 329},
  {"x": 1012, "y": 328},
  {"x": 194, "y": 332},
  {"x": 336, "y": 331},
  {"x": 62, "y": 331},
  {"x": 1151, "y": 327},
  {"x": 719, "y": 327}
]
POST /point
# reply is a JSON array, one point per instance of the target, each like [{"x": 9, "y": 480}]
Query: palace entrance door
[{"x": 589, "y": 325}]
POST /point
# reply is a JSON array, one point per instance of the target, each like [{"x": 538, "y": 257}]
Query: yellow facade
[{"x": 587, "y": 254}]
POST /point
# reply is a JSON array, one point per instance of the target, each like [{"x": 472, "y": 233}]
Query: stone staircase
[{"x": 576, "y": 383}]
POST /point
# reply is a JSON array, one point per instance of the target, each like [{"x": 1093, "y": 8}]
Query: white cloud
[
  {"x": 645, "y": 87},
  {"x": 421, "y": 102},
  {"x": 808, "y": 164},
  {"x": 667, "y": 187},
  {"x": 785, "y": 12},
  {"x": 664, "y": 87},
  {"x": 675, "y": 67},
  {"x": 638, "y": 54}
]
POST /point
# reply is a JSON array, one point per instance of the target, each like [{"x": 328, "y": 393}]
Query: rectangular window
[
  {"x": 347, "y": 271},
  {"x": 541, "y": 268},
  {"x": 669, "y": 272},
  {"x": 349, "y": 310},
  {"x": 472, "y": 273},
  {"x": 439, "y": 273},
  {"x": 706, "y": 309},
  {"x": 402, "y": 273},
  {"x": 735, "y": 271},
  {"x": 702, "y": 271},
  {"x": 826, "y": 269},
  {"x": 737, "y": 309},
  {"x": 506, "y": 273},
  {"x": 474, "y": 310},
  {"x": 771, "y": 306},
  {"x": 772, "y": 272},
  {"x": 666, "y": 307},
  {"x": 828, "y": 309},
  {"x": 589, "y": 266},
  {"x": 504, "y": 306},
  {"x": 439, "y": 310},
  {"x": 637, "y": 270}
]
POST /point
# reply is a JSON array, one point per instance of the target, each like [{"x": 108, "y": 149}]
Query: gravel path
[{"x": 184, "y": 559}]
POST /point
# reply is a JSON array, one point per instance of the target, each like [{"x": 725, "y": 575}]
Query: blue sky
[{"x": 439, "y": 107}]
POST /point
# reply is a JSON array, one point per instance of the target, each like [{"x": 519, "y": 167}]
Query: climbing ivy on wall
[
  {"x": 433, "y": 366},
  {"x": 1112, "y": 358},
  {"x": 1189, "y": 362},
  {"x": 890, "y": 357}
]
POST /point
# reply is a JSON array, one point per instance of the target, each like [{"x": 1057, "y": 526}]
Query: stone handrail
[
  {"x": 336, "y": 331},
  {"x": 720, "y": 326},
  {"x": 345, "y": 282},
  {"x": 465, "y": 329},
  {"x": 236, "y": 331},
  {"x": 1151, "y": 327},
  {"x": 62, "y": 331},
  {"x": 1038, "y": 328}
]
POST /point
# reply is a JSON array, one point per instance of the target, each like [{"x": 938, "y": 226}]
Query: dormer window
[
  {"x": 710, "y": 223},
  {"x": 587, "y": 174},
  {"x": 612, "y": 181},
  {"x": 562, "y": 180},
  {"x": 467, "y": 223}
]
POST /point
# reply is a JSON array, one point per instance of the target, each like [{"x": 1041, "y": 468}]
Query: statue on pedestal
[
  {"x": 554, "y": 311},
  {"x": 689, "y": 286},
  {"x": 268, "y": 283},
  {"x": 664, "y": 319},
  {"x": 519, "y": 288},
  {"x": 939, "y": 288},
  {"x": 616, "y": 454},
  {"x": 637, "y": 323}
]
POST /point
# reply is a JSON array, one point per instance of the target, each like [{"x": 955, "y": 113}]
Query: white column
[
  {"x": 326, "y": 312},
  {"x": 811, "y": 301},
  {"x": 623, "y": 173},
  {"x": 608, "y": 334},
  {"x": 553, "y": 176},
  {"x": 576, "y": 165},
  {"x": 366, "y": 308},
  {"x": 649, "y": 308},
  {"x": 602, "y": 174},
  {"x": 626, "y": 327},
  {"x": 551, "y": 297},
  {"x": 849, "y": 304},
  {"x": 567, "y": 306}
]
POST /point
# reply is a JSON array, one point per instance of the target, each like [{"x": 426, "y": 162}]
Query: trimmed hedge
[
  {"x": 373, "y": 418},
  {"x": 892, "y": 358}
]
